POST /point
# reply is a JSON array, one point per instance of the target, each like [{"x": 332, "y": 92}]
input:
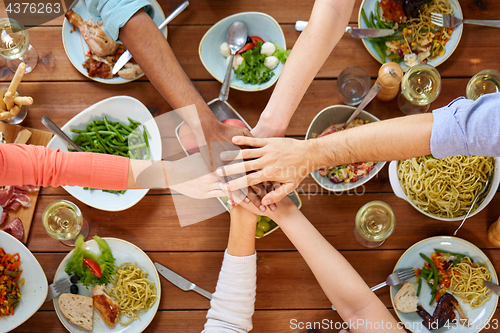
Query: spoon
[
  {"x": 236, "y": 39},
  {"x": 472, "y": 206},
  {"x": 367, "y": 99},
  {"x": 57, "y": 131}
]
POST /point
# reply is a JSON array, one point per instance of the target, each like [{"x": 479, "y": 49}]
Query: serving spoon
[
  {"x": 472, "y": 206},
  {"x": 236, "y": 39},
  {"x": 57, "y": 131}
]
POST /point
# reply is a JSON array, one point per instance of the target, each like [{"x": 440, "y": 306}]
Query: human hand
[
  {"x": 282, "y": 160},
  {"x": 265, "y": 130}
]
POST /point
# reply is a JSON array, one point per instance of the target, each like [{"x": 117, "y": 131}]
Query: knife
[
  {"x": 355, "y": 32},
  {"x": 494, "y": 287},
  {"x": 180, "y": 282},
  {"x": 126, "y": 56}
]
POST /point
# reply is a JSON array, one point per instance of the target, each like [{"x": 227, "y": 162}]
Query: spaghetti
[
  {"x": 133, "y": 291},
  {"x": 445, "y": 187},
  {"x": 466, "y": 282}
]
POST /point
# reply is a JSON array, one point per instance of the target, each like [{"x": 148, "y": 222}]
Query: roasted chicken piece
[
  {"x": 443, "y": 314},
  {"x": 401, "y": 10},
  {"x": 99, "y": 43},
  {"x": 107, "y": 308}
]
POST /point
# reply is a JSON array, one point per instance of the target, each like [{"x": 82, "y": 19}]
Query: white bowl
[
  {"x": 258, "y": 24},
  {"x": 118, "y": 108},
  {"x": 34, "y": 290},
  {"x": 338, "y": 114},
  {"x": 398, "y": 191}
]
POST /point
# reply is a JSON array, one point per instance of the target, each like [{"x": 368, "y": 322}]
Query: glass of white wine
[
  {"x": 484, "y": 82},
  {"x": 64, "y": 221},
  {"x": 375, "y": 222},
  {"x": 420, "y": 87},
  {"x": 15, "y": 45}
]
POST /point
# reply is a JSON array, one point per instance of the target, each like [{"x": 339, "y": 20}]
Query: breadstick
[
  {"x": 9, "y": 100},
  {"x": 15, "y": 110},
  {"x": 17, "y": 78},
  {"x": 3, "y": 107},
  {"x": 5, "y": 115},
  {"x": 22, "y": 100}
]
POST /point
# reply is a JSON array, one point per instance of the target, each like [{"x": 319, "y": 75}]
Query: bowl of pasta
[{"x": 445, "y": 189}]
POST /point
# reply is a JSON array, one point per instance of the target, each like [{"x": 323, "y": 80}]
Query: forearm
[
  {"x": 241, "y": 233},
  {"x": 326, "y": 26},
  {"x": 343, "y": 286},
  {"x": 153, "y": 53},
  {"x": 387, "y": 140}
]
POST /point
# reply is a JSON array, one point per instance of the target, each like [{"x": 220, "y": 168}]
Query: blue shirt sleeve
[
  {"x": 115, "y": 13},
  {"x": 466, "y": 127}
]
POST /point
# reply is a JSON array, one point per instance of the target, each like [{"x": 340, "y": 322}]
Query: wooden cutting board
[{"x": 39, "y": 138}]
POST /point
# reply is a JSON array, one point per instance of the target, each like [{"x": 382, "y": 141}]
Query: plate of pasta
[
  {"x": 431, "y": 44},
  {"x": 444, "y": 189},
  {"x": 462, "y": 276},
  {"x": 132, "y": 265}
]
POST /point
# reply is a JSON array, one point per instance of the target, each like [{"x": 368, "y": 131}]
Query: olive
[
  {"x": 264, "y": 226},
  {"x": 74, "y": 289},
  {"x": 259, "y": 233},
  {"x": 249, "y": 40},
  {"x": 74, "y": 279}
]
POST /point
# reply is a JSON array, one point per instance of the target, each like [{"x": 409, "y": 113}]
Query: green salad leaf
[
  {"x": 106, "y": 261},
  {"x": 281, "y": 53},
  {"x": 252, "y": 69}
]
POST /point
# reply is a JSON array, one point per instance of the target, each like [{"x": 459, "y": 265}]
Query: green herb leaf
[
  {"x": 281, "y": 53},
  {"x": 252, "y": 69}
]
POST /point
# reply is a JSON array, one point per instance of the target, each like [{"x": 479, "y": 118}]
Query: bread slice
[
  {"x": 77, "y": 309},
  {"x": 406, "y": 299}
]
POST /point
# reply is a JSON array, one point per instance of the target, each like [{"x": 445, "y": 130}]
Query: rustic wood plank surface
[{"x": 286, "y": 290}]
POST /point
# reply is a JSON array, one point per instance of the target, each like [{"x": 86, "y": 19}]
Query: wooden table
[{"x": 286, "y": 287}]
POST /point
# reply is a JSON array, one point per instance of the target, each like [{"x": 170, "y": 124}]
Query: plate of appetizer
[
  {"x": 105, "y": 273},
  {"x": 23, "y": 279},
  {"x": 128, "y": 115},
  {"x": 429, "y": 43},
  {"x": 96, "y": 62},
  {"x": 456, "y": 301},
  {"x": 258, "y": 64}
]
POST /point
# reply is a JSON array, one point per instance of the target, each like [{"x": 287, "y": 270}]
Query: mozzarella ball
[
  {"x": 224, "y": 49},
  {"x": 238, "y": 60},
  {"x": 268, "y": 49},
  {"x": 271, "y": 62}
]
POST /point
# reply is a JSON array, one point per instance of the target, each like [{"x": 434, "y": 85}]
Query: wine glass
[
  {"x": 375, "y": 222},
  {"x": 64, "y": 221},
  {"x": 420, "y": 87},
  {"x": 484, "y": 82},
  {"x": 15, "y": 45}
]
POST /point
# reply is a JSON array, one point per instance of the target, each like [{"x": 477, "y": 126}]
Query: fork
[
  {"x": 396, "y": 278},
  {"x": 450, "y": 21},
  {"x": 57, "y": 288}
]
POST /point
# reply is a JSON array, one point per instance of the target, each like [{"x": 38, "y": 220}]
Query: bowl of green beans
[{"x": 120, "y": 126}]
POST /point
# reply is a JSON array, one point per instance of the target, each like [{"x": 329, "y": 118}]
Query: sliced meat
[
  {"x": 4, "y": 217},
  {"x": 22, "y": 196},
  {"x": 107, "y": 307},
  {"x": 98, "y": 68},
  {"x": 411, "y": 7},
  {"x": 15, "y": 228},
  {"x": 6, "y": 193},
  {"x": 29, "y": 188},
  {"x": 13, "y": 205}
]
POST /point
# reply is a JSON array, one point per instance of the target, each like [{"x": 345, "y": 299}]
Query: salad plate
[
  {"x": 76, "y": 48},
  {"x": 123, "y": 251},
  {"x": 451, "y": 45},
  {"x": 118, "y": 108},
  {"x": 35, "y": 288},
  {"x": 479, "y": 317}
]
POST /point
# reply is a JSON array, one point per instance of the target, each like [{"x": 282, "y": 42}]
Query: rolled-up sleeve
[
  {"x": 115, "y": 13},
  {"x": 466, "y": 127}
]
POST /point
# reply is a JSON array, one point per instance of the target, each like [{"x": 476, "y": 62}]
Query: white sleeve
[{"x": 233, "y": 302}]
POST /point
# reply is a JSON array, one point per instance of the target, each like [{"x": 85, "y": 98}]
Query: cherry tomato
[
  {"x": 247, "y": 47},
  {"x": 256, "y": 39},
  {"x": 93, "y": 266}
]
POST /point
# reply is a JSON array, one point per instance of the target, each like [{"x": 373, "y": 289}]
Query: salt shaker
[
  {"x": 494, "y": 233},
  {"x": 390, "y": 75}
]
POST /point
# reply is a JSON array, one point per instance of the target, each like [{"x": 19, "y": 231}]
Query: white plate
[
  {"x": 34, "y": 290},
  {"x": 76, "y": 48},
  {"x": 369, "y": 6},
  {"x": 398, "y": 191},
  {"x": 479, "y": 317},
  {"x": 123, "y": 251},
  {"x": 118, "y": 108}
]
